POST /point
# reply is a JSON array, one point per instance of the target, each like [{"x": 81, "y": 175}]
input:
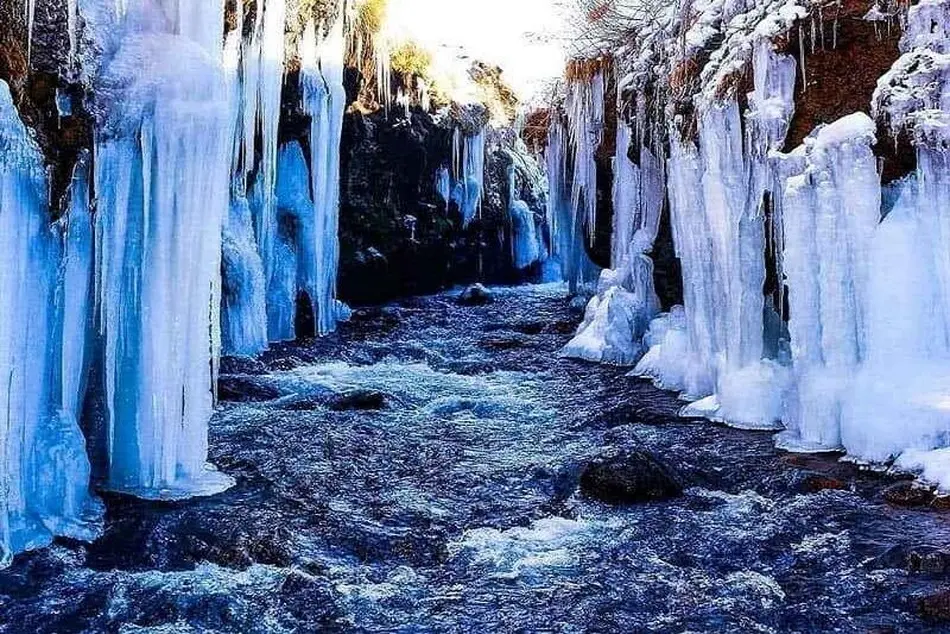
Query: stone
[
  {"x": 629, "y": 478},
  {"x": 475, "y": 295}
]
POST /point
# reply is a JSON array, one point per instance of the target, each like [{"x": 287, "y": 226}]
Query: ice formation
[
  {"x": 569, "y": 261},
  {"x": 469, "y": 169},
  {"x": 618, "y": 317},
  {"x": 324, "y": 99},
  {"x": 163, "y": 156},
  {"x": 524, "y": 234},
  {"x": 44, "y": 471},
  {"x": 717, "y": 193}
]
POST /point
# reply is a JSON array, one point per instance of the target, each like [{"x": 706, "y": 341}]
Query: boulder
[
  {"x": 358, "y": 400},
  {"x": 629, "y": 478},
  {"x": 475, "y": 295},
  {"x": 245, "y": 389}
]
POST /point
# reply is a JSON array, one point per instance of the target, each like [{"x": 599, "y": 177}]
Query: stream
[{"x": 418, "y": 472}]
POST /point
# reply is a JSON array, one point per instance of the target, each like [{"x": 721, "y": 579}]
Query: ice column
[
  {"x": 324, "y": 99},
  {"x": 830, "y": 211},
  {"x": 618, "y": 316},
  {"x": 717, "y": 196},
  {"x": 163, "y": 156},
  {"x": 524, "y": 234},
  {"x": 44, "y": 472}
]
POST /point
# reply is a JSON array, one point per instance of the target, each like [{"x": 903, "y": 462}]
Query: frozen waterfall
[
  {"x": 162, "y": 173},
  {"x": 44, "y": 471}
]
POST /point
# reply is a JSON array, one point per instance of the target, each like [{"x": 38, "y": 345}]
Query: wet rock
[
  {"x": 629, "y": 478},
  {"x": 501, "y": 343},
  {"x": 907, "y": 493},
  {"x": 475, "y": 295},
  {"x": 362, "y": 400},
  {"x": 815, "y": 482},
  {"x": 935, "y": 608},
  {"x": 578, "y": 304},
  {"x": 242, "y": 365},
  {"x": 928, "y": 560},
  {"x": 245, "y": 389}
]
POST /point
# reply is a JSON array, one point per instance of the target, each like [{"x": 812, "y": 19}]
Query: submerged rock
[
  {"x": 245, "y": 389},
  {"x": 476, "y": 295},
  {"x": 358, "y": 400},
  {"x": 629, "y": 478},
  {"x": 935, "y": 608}
]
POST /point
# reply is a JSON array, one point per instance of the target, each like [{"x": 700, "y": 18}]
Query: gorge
[{"x": 253, "y": 380}]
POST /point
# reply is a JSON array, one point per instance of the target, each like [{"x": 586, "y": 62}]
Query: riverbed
[{"x": 418, "y": 472}]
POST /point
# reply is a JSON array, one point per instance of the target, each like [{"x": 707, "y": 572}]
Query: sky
[{"x": 517, "y": 35}]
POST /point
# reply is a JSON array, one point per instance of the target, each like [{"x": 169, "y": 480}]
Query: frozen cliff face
[
  {"x": 162, "y": 169},
  {"x": 44, "y": 471}
]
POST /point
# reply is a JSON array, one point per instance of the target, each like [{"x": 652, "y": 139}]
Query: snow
[{"x": 44, "y": 471}]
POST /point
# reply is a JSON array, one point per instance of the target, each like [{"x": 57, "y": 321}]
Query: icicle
[
  {"x": 801, "y": 54},
  {"x": 324, "y": 99}
]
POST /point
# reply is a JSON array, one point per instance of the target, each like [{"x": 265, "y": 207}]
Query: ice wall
[
  {"x": 717, "y": 196},
  {"x": 44, "y": 471},
  {"x": 162, "y": 173},
  {"x": 831, "y": 205}
]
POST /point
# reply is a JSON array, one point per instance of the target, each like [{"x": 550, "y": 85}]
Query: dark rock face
[
  {"x": 38, "y": 73},
  {"x": 475, "y": 295},
  {"x": 398, "y": 237},
  {"x": 629, "y": 478}
]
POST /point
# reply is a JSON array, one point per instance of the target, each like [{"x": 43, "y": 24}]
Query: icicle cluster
[
  {"x": 617, "y": 318},
  {"x": 45, "y": 283}
]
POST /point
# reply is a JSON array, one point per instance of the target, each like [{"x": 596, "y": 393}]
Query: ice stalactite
[
  {"x": 443, "y": 185},
  {"x": 469, "y": 168},
  {"x": 324, "y": 99},
  {"x": 569, "y": 261},
  {"x": 618, "y": 316},
  {"x": 524, "y": 233},
  {"x": 44, "y": 471},
  {"x": 585, "y": 116},
  {"x": 162, "y": 173}
]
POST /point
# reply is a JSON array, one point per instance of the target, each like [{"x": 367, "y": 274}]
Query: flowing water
[{"x": 455, "y": 508}]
